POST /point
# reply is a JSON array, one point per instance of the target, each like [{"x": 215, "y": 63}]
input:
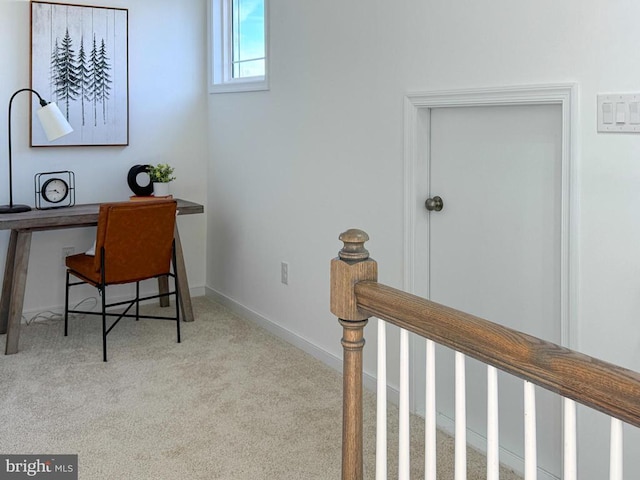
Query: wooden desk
[{"x": 15, "y": 270}]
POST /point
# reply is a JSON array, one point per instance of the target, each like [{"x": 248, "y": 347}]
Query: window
[{"x": 238, "y": 37}]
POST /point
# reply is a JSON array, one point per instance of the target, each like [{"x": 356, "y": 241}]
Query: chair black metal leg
[
  {"x": 104, "y": 324},
  {"x": 177, "y": 310},
  {"x": 66, "y": 306},
  {"x": 137, "y": 301},
  {"x": 177, "y": 290},
  {"x": 103, "y": 294}
]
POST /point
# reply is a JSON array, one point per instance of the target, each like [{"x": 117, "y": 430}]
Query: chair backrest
[{"x": 137, "y": 238}]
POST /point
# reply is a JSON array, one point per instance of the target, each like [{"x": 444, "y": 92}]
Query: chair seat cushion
[{"x": 81, "y": 265}]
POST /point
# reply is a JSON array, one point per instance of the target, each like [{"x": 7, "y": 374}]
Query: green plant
[{"x": 161, "y": 173}]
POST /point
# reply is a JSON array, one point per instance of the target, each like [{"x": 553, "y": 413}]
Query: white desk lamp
[{"x": 55, "y": 126}]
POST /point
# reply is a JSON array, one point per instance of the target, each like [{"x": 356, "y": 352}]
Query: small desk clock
[{"x": 55, "y": 189}]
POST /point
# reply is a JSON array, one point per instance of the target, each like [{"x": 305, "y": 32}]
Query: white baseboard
[
  {"x": 368, "y": 381},
  {"x": 197, "y": 291},
  {"x": 275, "y": 329}
]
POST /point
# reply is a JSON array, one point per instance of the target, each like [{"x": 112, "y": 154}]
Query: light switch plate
[{"x": 618, "y": 112}]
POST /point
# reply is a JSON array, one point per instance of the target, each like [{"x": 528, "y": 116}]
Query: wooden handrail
[
  {"x": 603, "y": 386},
  {"x": 356, "y": 295}
]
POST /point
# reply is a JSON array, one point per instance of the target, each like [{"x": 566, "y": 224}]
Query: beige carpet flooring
[{"x": 230, "y": 402}]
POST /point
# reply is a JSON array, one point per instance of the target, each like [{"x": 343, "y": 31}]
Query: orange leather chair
[{"x": 134, "y": 242}]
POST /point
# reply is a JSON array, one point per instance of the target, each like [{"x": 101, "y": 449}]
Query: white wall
[
  {"x": 322, "y": 150},
  {"x": 168, "y": 114}
]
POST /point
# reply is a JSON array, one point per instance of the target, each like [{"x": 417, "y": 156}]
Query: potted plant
[{"x": 161, "y": 175}]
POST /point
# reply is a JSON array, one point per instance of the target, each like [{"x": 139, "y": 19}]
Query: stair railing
[{"x": 356, "y": 296}]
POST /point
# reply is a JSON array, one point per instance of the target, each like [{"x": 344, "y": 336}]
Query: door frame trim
[{"x": 417, "y": 112}]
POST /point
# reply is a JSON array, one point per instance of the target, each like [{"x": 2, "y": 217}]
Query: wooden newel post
[{"x": 353, "y": 265}]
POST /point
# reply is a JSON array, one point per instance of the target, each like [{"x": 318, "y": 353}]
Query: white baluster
[
  {"x": 461, "y": 420},
  {"x": 403, "y": 447},
  {"x": 381, "y": 421},
  {"x": 530, "y": 448},
  {"x": 430, "y": 470},
  {"x": 615, "y": 457},
  {"x": 570, "y": 445},
  {"x": 493, "y": 431}
]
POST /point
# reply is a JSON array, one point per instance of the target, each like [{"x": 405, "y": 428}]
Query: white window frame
[{"x": 220, "y": 52}]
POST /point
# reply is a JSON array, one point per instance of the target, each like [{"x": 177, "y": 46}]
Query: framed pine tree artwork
[{"x": 80, "y": 60}]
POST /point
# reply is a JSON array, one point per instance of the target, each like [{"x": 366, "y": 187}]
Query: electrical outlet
[
  {"x": 284, "y": 273},
  {"x": 66, "y": 251}
]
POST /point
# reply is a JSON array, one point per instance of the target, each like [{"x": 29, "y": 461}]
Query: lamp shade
[{"x": 53, "y": 122}]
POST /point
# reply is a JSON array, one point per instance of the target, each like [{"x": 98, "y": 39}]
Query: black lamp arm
[{"x": 43, "y": 103}]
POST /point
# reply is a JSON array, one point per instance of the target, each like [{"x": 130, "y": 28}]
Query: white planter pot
[{"x": 160, "y": 189}]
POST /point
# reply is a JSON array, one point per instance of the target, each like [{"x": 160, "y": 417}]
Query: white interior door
[{"x": 495, "y": 248}]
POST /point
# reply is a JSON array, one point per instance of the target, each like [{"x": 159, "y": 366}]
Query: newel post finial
[
  {"x": 353, "y": 249},
  {"x": 352, "y": 265}
]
